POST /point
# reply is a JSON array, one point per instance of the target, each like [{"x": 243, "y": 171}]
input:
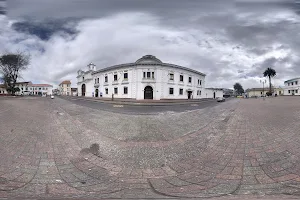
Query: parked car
[
  {"x": 52, "y": 97},
  {"x": 220, "y": 99}
]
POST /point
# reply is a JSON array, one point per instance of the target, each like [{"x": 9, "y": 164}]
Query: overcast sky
[{"x": 230, "y": 41}]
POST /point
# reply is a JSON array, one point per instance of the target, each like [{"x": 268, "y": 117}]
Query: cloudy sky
[{"x": 230, "y": 41}]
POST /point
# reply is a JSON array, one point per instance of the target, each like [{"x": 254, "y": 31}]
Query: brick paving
[{"x": 238, "y": 149}]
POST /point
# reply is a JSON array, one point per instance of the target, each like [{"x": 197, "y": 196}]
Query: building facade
[
  {"x": 292, "y": 87},
  {"x": 259, "y": 92},
  {"x": 65, "y": 88},
  {"x": 73, "y": 91},
  {"x": 213, "y": 93},
  {"x": 28, "y": 88},
  {"x": 147, "y": 78}
]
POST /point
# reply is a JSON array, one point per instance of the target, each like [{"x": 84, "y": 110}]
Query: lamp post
[{"x": 263, "y": 82}]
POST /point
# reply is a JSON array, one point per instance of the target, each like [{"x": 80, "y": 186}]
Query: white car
[
  {"x": 52, "y": 97},
  {"x": 220, "y": 99}
]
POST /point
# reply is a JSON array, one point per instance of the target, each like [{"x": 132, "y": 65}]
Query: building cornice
[{"x": 116, "y": 67}]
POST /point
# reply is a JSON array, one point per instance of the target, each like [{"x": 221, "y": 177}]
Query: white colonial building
[
  {"x": 28, "y": 88},
  {"x": 147, "y": 78},
  {"x": 292, "y": 87}
]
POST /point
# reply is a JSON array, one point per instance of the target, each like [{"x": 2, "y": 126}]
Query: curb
[{"x": 144, "y": 104}]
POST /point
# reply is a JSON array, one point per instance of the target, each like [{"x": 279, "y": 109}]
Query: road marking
[
  {"x": 194, "y": 105},
  {"x": 118, "y": 106}
]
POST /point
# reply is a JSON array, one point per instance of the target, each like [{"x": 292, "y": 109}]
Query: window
[
  {"x": 116, "y": 77},
  {"x": 106, "y": 79},
  {"x": 125, "y": 75},
  {"x": 200, "y": 90},
  {"x": 171, "y": 90},
  {"x": 180, "y": 91},
  {"x": 181, "y": 78},
  {"x": 289, "y": 91},
  {"x": 200, "y": 84},
  {"x": 26, "y": 88},
  {"x": 125, "y": 90},
  {"x": 296, "y": 83},
  {"x": 171, "y": 77},
  {"x": 288, "y": 84},
  {"x": 40, "y": 88},
  {"x": 97, "y": 80},
  {"x": 190, "y": 79},
  {"x": 197, "y": 92},
  {"x": 148, "y": 75},
  {"x": 83, "y": 78},
  {"x": 106, "y": 90},
  {"x": 144, "y": 74},
  {"x": 152, "y": 74},
  {"x": 292, "y": 83},
  {"x": 116, "y": 90},
  {"x": 46, "y": 88},
  {"x": 260, "y": 92},
  {"x": 296, "y": 91}
]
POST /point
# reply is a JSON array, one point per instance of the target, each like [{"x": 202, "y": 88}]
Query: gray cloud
[{"x": 229, "y": 40}]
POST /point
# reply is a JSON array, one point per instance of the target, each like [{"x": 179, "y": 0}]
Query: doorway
[
  {"x": 83, "y": 90},
  {"x": 148, "y": 92},
  {"x": 96, "y": 93},
  {"x": 189, "y": 94}
]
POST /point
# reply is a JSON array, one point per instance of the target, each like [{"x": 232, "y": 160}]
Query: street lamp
[{"x": 263, "y": 82}]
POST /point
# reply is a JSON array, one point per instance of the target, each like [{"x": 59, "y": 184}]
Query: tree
[
  {"x": 269, "y": 72},
  {"x": 238, "y": 88},
  {"x": 11, "y": 66}
]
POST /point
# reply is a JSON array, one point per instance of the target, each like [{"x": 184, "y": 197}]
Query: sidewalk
[{"x": 147, "y": 102}]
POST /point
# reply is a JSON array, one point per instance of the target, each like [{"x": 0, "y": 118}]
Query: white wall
[
  {"x": 292, "y": 86},
  {"x": 136, "y": 83},
  {"x": 209, "y": 93}
]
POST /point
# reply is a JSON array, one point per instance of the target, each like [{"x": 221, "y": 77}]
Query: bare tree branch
[{"x": 11, "y": 66}]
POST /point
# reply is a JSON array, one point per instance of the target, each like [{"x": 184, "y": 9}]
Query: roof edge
[{"x": 136, "y": 64}]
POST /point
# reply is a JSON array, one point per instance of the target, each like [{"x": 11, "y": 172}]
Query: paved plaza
[{"x": 241, "y": 148}]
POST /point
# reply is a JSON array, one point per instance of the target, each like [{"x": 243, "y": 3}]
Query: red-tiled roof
[
  {"x": 40, "y": 85},
  {"x": 65, "y": 82}
]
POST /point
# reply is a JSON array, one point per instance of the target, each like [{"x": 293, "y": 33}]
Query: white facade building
[
  {"x": 28, "y": 88},
  {"x": 292, "y": 87},
  {"x": 213, "y": 93},
  {"x": 147, "y": 78}
]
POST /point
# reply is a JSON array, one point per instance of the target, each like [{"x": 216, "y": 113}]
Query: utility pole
[{"x": 263, "y": 82}]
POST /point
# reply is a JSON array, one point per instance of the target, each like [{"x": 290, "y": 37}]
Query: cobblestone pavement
[{"x": 53, "y": 148}]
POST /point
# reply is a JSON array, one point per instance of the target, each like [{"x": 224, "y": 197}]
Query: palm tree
[{"x": 270, "y": 73}]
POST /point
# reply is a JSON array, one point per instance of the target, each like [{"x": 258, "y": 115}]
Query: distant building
[
  {"x": 258, "y": 92},
  {"x": 73, "y": 91},
  {"x": 55, "y": 91},
  {"x": 292, "y": 87},
  {"x": 65, "y": 88},
  {"x": 228, "y": 92},
  {"x": 213, "y": 93},
  {"x": 28, "y": 88}
]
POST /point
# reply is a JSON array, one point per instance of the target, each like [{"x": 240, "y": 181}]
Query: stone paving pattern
[{"x": 52, "y": 148}]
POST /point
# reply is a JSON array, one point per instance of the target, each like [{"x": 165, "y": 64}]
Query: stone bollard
[{"x": 112, "y": 97}]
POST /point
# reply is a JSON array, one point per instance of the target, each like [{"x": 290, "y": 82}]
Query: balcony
[
  {"x": 115, "y": 82},
  {"x": 148, "y": 80},
  {"x": 125, "y": 81},
  {"x": 96, "y": 85}
]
